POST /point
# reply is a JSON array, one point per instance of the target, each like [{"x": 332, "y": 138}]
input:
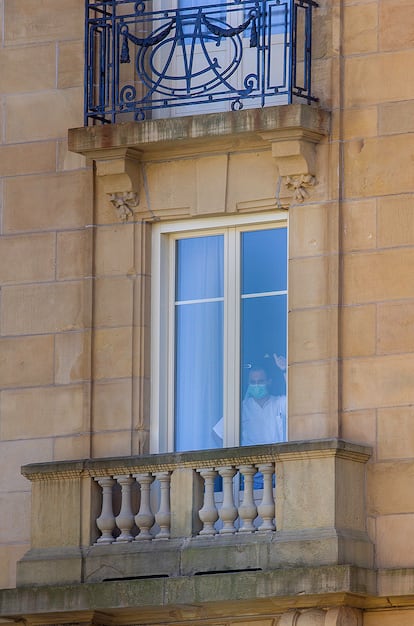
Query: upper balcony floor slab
[{"x": 204, "y": 133}]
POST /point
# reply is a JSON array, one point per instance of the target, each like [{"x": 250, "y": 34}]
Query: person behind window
[{"x": 263, "y": 415}]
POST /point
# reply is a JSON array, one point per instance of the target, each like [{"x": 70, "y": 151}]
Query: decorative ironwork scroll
[{"x": 143, "y": 63}]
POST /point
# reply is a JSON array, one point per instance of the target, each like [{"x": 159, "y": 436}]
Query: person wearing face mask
[
  {"x": 263, "y": 418},
  {"x": 263, "y": 415}
]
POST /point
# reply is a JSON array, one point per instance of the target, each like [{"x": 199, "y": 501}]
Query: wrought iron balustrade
[{"x": 144, "y": 60}]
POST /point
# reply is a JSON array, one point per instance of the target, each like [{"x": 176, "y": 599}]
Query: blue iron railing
[{"x": 144, "y": 60}]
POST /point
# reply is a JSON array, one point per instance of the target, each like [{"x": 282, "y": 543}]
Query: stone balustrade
[
  {"x": 236, "y": 504},
  {"x": 260, "y": 507}
]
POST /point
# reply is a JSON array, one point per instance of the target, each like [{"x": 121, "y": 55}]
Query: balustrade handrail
[
  {"x": 141, "y": 62},
  {"x": 168, "y": 461}
]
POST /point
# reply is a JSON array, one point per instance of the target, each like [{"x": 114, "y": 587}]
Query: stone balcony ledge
[
  {"x": 166, "y": 515},
  {"x": 247, "y": 127}
]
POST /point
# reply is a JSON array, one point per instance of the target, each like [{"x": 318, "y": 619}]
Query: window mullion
[{"x": 232, "y": 351}]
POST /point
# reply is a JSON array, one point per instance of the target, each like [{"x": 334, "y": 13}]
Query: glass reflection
[{"x": 263, "y": 336}]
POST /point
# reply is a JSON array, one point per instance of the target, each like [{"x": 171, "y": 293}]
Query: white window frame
[{"x": 162, "y": 318}]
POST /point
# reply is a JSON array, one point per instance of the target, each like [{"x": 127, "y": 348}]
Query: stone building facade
[{"x": 83, "y": 211}]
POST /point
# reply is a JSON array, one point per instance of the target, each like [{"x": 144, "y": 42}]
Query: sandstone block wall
[
  {"x": 351, "y": 338},
  {"x": 377, "y": 238},
  {"x": 45, "y": 205}
]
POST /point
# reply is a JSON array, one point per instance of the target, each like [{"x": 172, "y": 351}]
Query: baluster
[
  {"x": 208, "y": 513},
  {"x": 266, "y": 508},
  {"x": 228, "y": 511},
  {"x": 106, "y": 521},
  {"x": 125, "y": 519},
  {"x": 144, "y": 518},
  {"x": 163, "y": 517},
  {"x": 247, "y": 509}
]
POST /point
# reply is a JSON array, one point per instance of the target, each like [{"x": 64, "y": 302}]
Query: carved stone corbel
[
  {"x": 295, "y": 152},
  {"x": 124, "y": 202},
  {"x": 119, "y": 171},
  {"x": 343, "y": 616},
  {"x": 299, "y": 185}
]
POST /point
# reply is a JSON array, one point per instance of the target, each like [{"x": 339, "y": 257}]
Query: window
[{"x": 219, "y": 335}]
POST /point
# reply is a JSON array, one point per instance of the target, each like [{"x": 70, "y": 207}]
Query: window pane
[
  {"x": 199, "y": 268},
  {"x": 199, "y": 375},
  {"x": 198, "y": 342},
  {"x": 263, "y": 336},
  {"x": 199, "y": 338},
  {"x": 264, "y": 261}
]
